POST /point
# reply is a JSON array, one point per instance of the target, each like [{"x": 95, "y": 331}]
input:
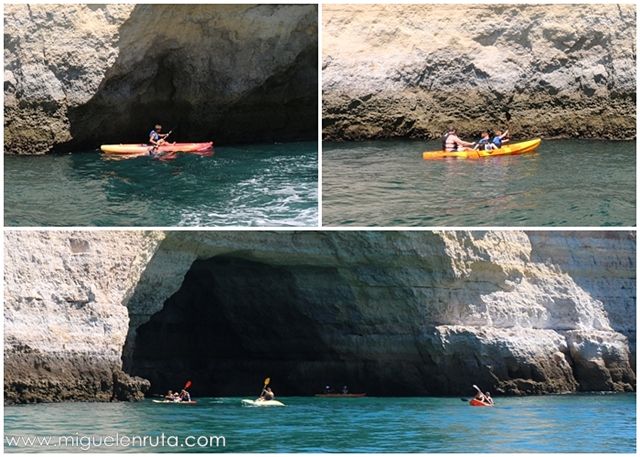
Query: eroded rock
[
  {"x": 542, "y": 70},
  {"x": 389, "y": 313},
  {"x": 77, "y": 76}
]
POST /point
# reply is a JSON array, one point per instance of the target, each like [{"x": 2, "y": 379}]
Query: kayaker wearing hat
[
  {"x": 156, "y": 138},
  {"x": 451, "y": 142}
]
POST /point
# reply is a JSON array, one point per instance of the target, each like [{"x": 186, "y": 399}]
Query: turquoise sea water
[
  {"x": 255, "y": 185},
  {"x": 576, "y": 423},
  {"x": 565, "y": 183}
]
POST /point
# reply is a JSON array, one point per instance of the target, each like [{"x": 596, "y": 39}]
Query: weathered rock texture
[
  {"x": 390, "y": 313},
  {"x": 77, "y": 76},
  {"x": 410, "y": 70},
  {"x": 65, "y": 315}
]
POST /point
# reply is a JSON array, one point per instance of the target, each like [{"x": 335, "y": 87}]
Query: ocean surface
[
  {"x": 569, "y": 423},
  {"x": 565, "y": 183},
  {"x": 254, "y": 185}
]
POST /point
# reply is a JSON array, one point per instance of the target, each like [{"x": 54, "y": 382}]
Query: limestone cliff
[
  {"x": 77, "y": 76},
  {"x": 410, "y": 70},
  {"x": 65, "y": 313},
  {"x": 390, "y": 313}
]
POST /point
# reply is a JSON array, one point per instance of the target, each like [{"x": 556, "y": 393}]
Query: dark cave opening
[
  {"x": 234, "y": 322},
  {"x": 182, "y": 86}
]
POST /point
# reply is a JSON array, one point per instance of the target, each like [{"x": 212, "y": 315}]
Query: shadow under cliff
[
  {"x": 234, "y": 322},
  {"x": 202, "y": 82}
]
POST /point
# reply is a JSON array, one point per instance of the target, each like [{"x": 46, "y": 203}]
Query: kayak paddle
[
  {"x": 266, "y": 383},
  {"x": 187, "y": 385}
]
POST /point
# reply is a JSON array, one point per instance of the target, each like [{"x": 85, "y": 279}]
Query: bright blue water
[
  {"x": 565, "y": 183},
  {"x": 255, "y": 185},
  {"x": 581, "y": 423}
]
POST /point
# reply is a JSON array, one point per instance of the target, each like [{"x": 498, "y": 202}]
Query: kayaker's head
[
  {"x": 485, "y": 134},
  {"x": 498, "y": 132},
  {"x": 451, "y": 129},
  {"x": 157, "y": 128}
]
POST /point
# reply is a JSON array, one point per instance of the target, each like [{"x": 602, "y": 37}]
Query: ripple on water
[
  {"x": 598, "y": 423},
  {"x": 567, "y": 183},
  {"x": 260, "y": 185}
]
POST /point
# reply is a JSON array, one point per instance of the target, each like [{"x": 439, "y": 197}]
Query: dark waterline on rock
[
  {"x": 571, "y": 423},
  {"x": 253, "y": 185},
  {"x": 566, "y": 183}
]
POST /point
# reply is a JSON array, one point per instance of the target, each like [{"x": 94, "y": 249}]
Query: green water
[
  {"x": 565, "y": 183},
  {"x": 255, "y": 185},
  {"x": 584, "y": 423}
]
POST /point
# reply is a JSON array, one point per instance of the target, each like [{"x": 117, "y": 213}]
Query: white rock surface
[
  {"x": 410, "y": 70},
  {"x": 409, "y": 312}
]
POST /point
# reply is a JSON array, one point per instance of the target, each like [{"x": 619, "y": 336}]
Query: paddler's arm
[{"x": 463, "y": 143}]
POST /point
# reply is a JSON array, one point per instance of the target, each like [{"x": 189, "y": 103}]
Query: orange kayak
[
  {"x": 141, "y": 149},
  {"x": 521, "y": 147},
  {"x": 474, "y": 402}
]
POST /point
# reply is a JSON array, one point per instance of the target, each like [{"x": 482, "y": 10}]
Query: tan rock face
[
  {"x": 77, "y": 76},
  {"x": 385, "y": 312},
  {"x": 410, "y": 70},
  {"x": 65, "y": 313}
]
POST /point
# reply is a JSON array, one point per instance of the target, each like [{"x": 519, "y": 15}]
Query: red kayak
[
  {"x": 142, "y": 149},
  {"x": 474, "y": 402}
]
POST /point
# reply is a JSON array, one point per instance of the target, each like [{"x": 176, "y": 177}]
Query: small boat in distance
[
  {"x": 338, "y": 395},
  {"x": 247, "y": 402},
  {"x": 173, "y": 402}
]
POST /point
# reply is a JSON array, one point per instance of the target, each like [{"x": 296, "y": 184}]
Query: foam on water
[{"x": 257, "y": 185}]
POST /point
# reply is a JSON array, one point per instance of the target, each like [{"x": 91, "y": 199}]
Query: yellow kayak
[{"x": 522, "y": 147}]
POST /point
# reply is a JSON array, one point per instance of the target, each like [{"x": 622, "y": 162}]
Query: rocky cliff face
[
  {"x": 77, "y": 76},
  {"x": 410, "y": 70},
  {"x": 65, "y": 313},
  {"x": 390, "y": 313}
]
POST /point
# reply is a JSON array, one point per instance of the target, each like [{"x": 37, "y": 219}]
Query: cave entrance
[{"x": 234, "y": 322}]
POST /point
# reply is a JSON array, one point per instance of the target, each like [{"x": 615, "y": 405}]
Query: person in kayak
[
  {"x": 267, "y": 394},
  {"x": 184, "y": 395},
  {"x": 488, "y": 398},
  {"x": 481, "y": 397},
  {"x": 500, "y": 138},
  {"x": 451, "y": 142},
  {"x": 485, "y": 143},
  {"x": 171, "y": 395},
  {"x": 157, "y": 139},
  {"x": 484, "y": 397}
]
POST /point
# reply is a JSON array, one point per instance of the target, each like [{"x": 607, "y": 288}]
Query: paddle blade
[
  {"x": 187, "y": 385},
  {"x": 267, "y": 381}
]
